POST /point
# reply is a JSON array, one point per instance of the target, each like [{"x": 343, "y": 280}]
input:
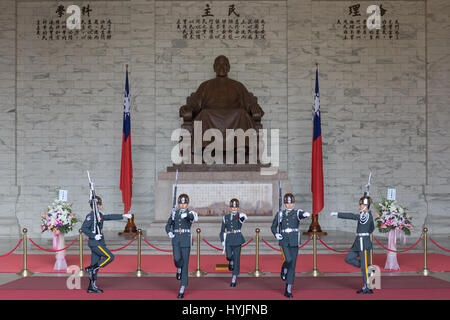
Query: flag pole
[
  {"x": 315, "y": 226},
  {"x": 130, "y": 228}
]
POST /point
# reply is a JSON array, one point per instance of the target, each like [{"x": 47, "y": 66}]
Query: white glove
[
  {"x": 278, "y": 236},
  {"x": 98, "y": 237},
  {"x": 306, "y": 214},
  {"x": 333, "y": 214},
  {"x": 171, "y": 235},
  {"x": 243, "y": 215},
  {"x": 128, "y": 215},
  {"x": 223, "y": 244},
  {"x": 183, "y": 215}
]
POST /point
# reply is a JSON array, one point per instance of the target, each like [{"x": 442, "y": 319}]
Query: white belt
[
  {"x": 288, "y": 230},
  {"x": 363, "y": 234},
  {"x": 181, "y": 230},
  {"x": 233, "y": 231}
]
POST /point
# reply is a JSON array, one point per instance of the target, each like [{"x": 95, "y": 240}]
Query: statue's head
[{"x": 221, "y": 66}]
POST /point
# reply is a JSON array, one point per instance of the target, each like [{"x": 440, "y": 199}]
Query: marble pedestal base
[{"x": 258, "y": 196}]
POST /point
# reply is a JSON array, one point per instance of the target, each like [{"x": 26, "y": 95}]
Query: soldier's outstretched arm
[
  {"x": 112, "y": 217},
  {"x": 348, "y": 215}
]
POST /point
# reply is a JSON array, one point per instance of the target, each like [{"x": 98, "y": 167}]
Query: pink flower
[
  {"x": 56, "y": 232},
  {"x": 383, "y": 226},
  {"x": 44, "y": 215},
  {"x": 43, "y": 228},
  {"x": 376, "y": 214}
]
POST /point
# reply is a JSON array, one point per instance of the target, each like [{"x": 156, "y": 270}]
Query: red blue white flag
[
  {"x": 126, "y": 168},
  {"x": 316, "y": 164}
]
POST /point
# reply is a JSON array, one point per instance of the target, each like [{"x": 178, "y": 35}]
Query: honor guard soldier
[
  {"x": 178, "y": 229},
  {"x": 362, "y": 245},
  {"x": 285, "y": 229},
  {"x": 100, "y": 255},
  {"x": 232, "y": 239}
]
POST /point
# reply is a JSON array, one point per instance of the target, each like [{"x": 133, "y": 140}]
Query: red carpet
[
  {"x": 269, "y": 288},
  {"x": 268, "y": 263}
]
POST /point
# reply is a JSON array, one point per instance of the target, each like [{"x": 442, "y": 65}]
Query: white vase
[
  {"x": 58, "y": 244},
  {"x": 391, "y": 261}
]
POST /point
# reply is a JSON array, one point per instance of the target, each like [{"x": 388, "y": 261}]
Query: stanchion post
[
  {"x": 315, "y": 272},
  {"x": 81, "y": 272},
  {"x": 25, "y": 272},
  {"x": 198, "y": 272},
  {"x": 425, "y": 271},
  {"x": 139, "y": 272},
  {"x": 257, "y": 272},
  {"x": 371, "y": 250}
]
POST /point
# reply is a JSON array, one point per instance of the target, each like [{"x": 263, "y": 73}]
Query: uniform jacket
[
  {"x": 368, "y": 227},
  {"x": 88, "y": 227},
  {"x": 288, "y": 219},
  {"x": 175, "y": 222},
  {"x": 230, "y": 223}
]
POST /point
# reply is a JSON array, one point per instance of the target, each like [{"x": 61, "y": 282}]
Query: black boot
[
  {"x": 91, "y": 270},
  {"x": 287, "y": 293},
  {"x": 233, "y": 282},
  {"x": 283, "y": 274},
  {"x": 230, "y": 265},
  {"x": 365, "y": 290},
  {"x": 181, "y": 293},
  {"x": 93, "y": 288}
]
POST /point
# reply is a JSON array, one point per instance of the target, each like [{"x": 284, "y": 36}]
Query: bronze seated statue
[{"x": 222, "y": 103}]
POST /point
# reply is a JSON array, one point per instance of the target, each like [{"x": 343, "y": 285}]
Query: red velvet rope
[
  {"x": 247, "y": 242},
  {"x": 155, "y": 247},
  {"x": 211, "y": 245},
  {"x": 262, "y": 239},
  {"x": 123, "y": 246},
  {"x": 305, "y": 243},
  {"x": 7, "y": 254},
  {"x": 344, "y": 251},
  {"x": 400, "y": 251},
  {"x": 439, "y": 245},
  {"x": 31, "y": 240}
]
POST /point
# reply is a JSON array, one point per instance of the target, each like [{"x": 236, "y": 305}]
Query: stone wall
[{"x": 384, "y": 102}]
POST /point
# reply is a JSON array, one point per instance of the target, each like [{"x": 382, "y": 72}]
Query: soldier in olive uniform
[
  {"x": 178, "y": 229},
  {"x": 100, "y": 256},
  {"x": 285, "y": 229},
  {"x": 232, "y": 239},
  {"x": 362, "y": 245}
]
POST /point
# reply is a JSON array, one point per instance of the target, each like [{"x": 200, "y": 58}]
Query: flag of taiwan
[
  {"x": 126, "y": 168},
  {"x": 316, "y": 164}
]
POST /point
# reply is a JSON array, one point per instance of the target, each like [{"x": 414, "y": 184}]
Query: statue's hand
[
  {"x": 186, "y": 112},
  {"x": 256, "y": 111}
]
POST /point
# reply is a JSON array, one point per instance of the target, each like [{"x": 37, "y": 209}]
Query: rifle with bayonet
[
  {"x": 366, "y": 193},
  {"x": 94, "y": 206},
  {"x": 280, "y": 202},
  {"x": 174, "y": 202}
]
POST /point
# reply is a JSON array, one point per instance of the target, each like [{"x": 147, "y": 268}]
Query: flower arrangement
[
  {"x": 58, "y": 218},
  {"x": 390, "y": 215}
]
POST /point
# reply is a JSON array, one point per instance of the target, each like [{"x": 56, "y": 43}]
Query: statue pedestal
[{"x": 210, "y": 192}]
